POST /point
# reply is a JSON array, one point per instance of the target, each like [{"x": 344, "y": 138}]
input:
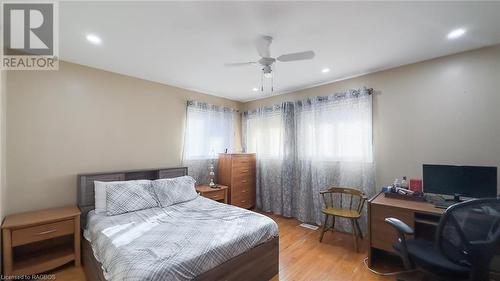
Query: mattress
[{"x": 179, "y": 242}]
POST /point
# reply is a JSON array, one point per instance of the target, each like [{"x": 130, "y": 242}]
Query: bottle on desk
[{"x": 404, "y": 183}]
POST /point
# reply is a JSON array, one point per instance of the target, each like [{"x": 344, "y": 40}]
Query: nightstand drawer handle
[
  {"x": 244, "y": 181},
  {"x": 243, "y": 201},
  {"x": 243, "y": 191},
  {"x": 244, "y": 171},
  {"x": 47, "y": 232}
]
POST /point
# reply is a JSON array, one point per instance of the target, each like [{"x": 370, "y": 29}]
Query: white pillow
[
  {"x": 100, "y": 192},
  {"x": 175, "y": 190}
]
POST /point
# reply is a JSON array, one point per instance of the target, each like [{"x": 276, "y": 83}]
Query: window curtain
[
  {"x": 209, "y": 131},
  {"x": 306, "y": 146}
]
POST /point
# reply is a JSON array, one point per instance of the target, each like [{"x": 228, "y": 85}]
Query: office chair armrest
[
  {"x": 400, "y": 226},
  {"x": 403, "y": 230}
]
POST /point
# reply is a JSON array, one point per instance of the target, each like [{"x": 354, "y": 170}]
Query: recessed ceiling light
[
  {"x": 325, "y": 70},
  {"x": 255, "y": 89},
  {"x": 94, "y": 39},
  {"x": 454, "y": 34}
]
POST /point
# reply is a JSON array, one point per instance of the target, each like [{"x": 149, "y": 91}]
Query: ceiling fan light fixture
[
  {"x": 325, "y": 70},
  {"x": 268, "y": 75}
]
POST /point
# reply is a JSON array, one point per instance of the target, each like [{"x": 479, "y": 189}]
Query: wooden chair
[{"x": 353, "y": 212}]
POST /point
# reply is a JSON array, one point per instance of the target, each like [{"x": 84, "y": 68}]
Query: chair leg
[
  {"x": 323, "y": 229},
  {"x": 360, "y": 233},
  {"x": 333, "y": 223},
  {"x": 354, "y": 235}
]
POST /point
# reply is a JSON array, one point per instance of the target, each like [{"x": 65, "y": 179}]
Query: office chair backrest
[{"x": 469, "y": 232}]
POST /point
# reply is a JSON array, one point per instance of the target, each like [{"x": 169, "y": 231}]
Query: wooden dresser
[{"x": 237, "y": 171}]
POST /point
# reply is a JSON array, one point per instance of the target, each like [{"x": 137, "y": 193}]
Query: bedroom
[{"x": 281, "y": 101}]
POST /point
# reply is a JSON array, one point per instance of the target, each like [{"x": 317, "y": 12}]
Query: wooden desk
[
  {"x": 39, "y": 241},
  {"x": 421, "y": 216}
]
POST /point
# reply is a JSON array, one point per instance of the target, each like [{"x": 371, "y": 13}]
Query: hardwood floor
[{"x": 302, "y": 257}]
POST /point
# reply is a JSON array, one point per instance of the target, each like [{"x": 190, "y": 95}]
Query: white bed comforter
[{"x": 175, "y": 243}]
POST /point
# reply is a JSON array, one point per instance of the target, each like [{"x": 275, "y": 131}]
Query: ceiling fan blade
[
  {"x": 262, "y": 44},
  {"x": 307, "y": 55},
  {"x": 240, "y": 63}
]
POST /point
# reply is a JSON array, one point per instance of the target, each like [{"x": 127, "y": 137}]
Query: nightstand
[
  {"x": 218, "y": 194},
  {"x": 39, "y": 241}
]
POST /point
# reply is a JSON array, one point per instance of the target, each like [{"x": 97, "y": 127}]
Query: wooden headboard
[{"x": 85, "y": 192}]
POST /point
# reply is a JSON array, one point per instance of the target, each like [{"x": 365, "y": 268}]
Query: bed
[{"x": 197, "y": 240}]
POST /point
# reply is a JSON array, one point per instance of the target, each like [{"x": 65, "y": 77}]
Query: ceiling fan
[{"x": 266, "y": 61}]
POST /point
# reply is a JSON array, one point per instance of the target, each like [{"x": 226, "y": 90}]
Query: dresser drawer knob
[
  {"x": 47, "y": 232},
  {"x": 245, "y": 171},
  {"x": 244, "y": 181},
  {"x": 243, "y": 191},
  {"x": 243, "y": 201}
]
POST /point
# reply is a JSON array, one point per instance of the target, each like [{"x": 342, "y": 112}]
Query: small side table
[
  {"x": 218, "y": 194},
  {"x": 39, "y": 241}
]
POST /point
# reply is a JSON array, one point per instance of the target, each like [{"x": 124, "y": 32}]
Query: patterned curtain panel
[
  {"x": 310, "y": 145},
  {"x": 209, "y": 131}
]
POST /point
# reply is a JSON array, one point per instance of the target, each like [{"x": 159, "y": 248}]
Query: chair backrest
[
  {"x": 346, "y": 198},
  {"x": 469, "y": 232}
]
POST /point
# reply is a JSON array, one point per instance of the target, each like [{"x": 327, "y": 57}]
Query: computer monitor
[{"x": 469, "y": 181}]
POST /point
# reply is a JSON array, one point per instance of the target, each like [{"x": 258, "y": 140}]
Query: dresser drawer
[
  {"x": 243, "y": 180},
  {"x": 243, "y": 161},
  {"x": 214, "y": 195},
  {"x": 242, "y": 188},
  {"x": 243, "y": 202},
  {"x": 243, "y": 171},
  {"x": 244, "y": 198},
  {"x": 42, "y": 232}
]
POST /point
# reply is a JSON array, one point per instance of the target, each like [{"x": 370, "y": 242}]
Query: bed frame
[{"x": 259, "y": 263}]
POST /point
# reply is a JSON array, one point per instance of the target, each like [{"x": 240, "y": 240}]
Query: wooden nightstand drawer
[
  {"x": 42, "y": 232},
  {"x": 215, "y": 195}
]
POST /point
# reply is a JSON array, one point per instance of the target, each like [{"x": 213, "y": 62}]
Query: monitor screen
[{"x": 470, "y": 181}]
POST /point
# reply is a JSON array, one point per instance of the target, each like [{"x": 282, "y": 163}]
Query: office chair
[{"x": 467, "y": 237}]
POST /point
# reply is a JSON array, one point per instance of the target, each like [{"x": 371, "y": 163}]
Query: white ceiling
[{"x": 186, "y": 44}]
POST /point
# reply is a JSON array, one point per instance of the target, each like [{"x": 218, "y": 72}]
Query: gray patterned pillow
[
  {"x": 128, "y": 197},
  {"x": 175, "y": 190}
]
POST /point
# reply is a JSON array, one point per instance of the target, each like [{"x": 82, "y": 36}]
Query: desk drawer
[
  {"x": 42, "y": 232},
  {"x": 215, "y": 195},
  {"x": 382, "y": 234}
]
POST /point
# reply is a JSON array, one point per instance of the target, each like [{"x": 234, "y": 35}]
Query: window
[
  {"x": 209, "y": 131},
  {"x": 264, "y": 135},
  {"x": 333, "y": 136}
]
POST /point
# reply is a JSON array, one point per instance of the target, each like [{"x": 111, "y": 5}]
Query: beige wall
[
  {"x": 445, "y": 110},
  {"x": 80, "y": 120}
]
